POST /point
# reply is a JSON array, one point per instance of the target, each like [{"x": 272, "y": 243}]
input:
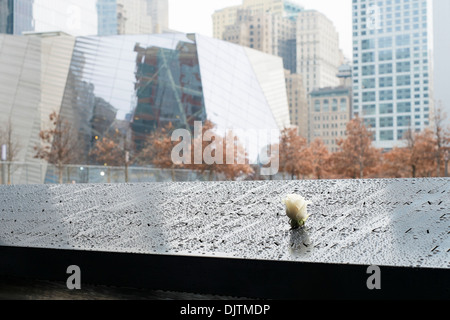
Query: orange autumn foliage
[
  {"x": 215, "y": 147},
  {"x": 416, "y": 159},
  {"x": 58, "y": 144},
  {"x": 294, "y": 154},
  {"x": 159, "y": 145},
  {"x": 319, "y": 159},
  {"x": 356, "y": 157},
  {"x": 158, "y": 149}
]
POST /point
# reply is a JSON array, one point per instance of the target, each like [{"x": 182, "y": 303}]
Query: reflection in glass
[
  {"x": 168, "y": 89},
  {"x": 137, "y": 83}
]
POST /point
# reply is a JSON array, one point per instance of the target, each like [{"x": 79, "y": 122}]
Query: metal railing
[{"x": 38, "y": 173}]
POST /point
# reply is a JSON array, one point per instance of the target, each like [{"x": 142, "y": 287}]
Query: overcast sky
[{"x": 195, "y": 16}]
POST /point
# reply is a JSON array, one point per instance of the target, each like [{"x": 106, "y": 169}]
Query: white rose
[{"x": 296, "y": 209}]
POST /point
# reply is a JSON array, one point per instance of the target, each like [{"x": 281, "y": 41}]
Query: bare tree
[
  {"x": 58, "y": 144},
  {"x": 13, "y": 147},
  {"x": 441, "y": 137},
  {"x": 420, "y": 152}
]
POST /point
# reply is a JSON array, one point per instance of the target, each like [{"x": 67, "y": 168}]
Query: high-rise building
[
  {"x": 441, "y": 49},
  {"x": 223, "y": 18},
  {"x": 4, "y": 13},
  {"x": 142, "y": 16},
  {"x": 330, "y": 113},
  {"x": 84, "y": 17},
  {"x": 306, "y": 39},
  {"x": 298, "y": 102},
  {"x": 330, "y": 109},
  {"x": 75, "y": 17},
  {"x": 107, "y": 17},
  {"x": 269, "y": 33},
  {"x": 137, "y": 20},
  {"x": 16, "y": 16},
  {"x": 121, "y": 18},
  {"x": 159, "y": 11},
  {"x": 392, "y": 74},
  {"x": 318, "y": 52}
]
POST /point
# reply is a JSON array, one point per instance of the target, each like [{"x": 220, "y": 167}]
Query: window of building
[
  {"x": 386, "y": 95},
  {"x": 386, "y": 82},
  {"x": 370, "y": 122},
  {"x": 334, "y": 105},
  {"x": 368, "y": 96},
  {"x": 368, "y": 44},
  {"x": 385, "y": 55},
  {"x": 403, "y": 121},
  {"x": 326, "y": 105},
  {"x": 368, "y": 70},
  {"x": 385, "y": 42},
  {"x": 403, "y": 40},
  {"x": 401, "y": 134},
  {"x": 368, "y": 83},
  {"x": 369, "y": 109},
  {"x": 403, "y": 107},
  {"x": 343, "y": 104},
  {"x": 403, "y": 53},
  {"x": 368, "y": 57},
  {"x": 404, "y": 66},
  {"x": 386, "y": 108},
  {"x": 385, "y": 68},
  {"x": 386, "y": 122},
  {"x": 404, "y": 80},
  {"x": 387, "y": 135},
  {"x": 404, "y": 93}
]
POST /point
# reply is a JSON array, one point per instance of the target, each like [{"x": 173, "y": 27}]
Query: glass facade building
[
  {"x": 329, "y": 114},
  {"x": 136, "y": 83},
  {"x": 172, "y": 78},
  {"x": 392, "y": 74}
]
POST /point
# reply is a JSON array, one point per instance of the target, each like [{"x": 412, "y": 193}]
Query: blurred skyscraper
[
  {"x": 441, "y": 64},
  {"x": 159, "y": 11},
  {"x": 265, "y": 32},
  {"x": 84, "y": 17},
  {"x": 228, "y": 16},
  {"x": 392, "y": 69},
  {"x": 136, "y": 18},
  {"x": 318, "y": 54},
  {"x": 142, "y": 16},
  {"x": 16, "y": 16},
  {"x": 107, "y": 17},
  {"x": 75, "y": 17},
  {"x": 306, "y": 40}
]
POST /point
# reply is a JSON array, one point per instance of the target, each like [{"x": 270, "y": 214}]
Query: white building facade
[{"x": 318, "y": 53}]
